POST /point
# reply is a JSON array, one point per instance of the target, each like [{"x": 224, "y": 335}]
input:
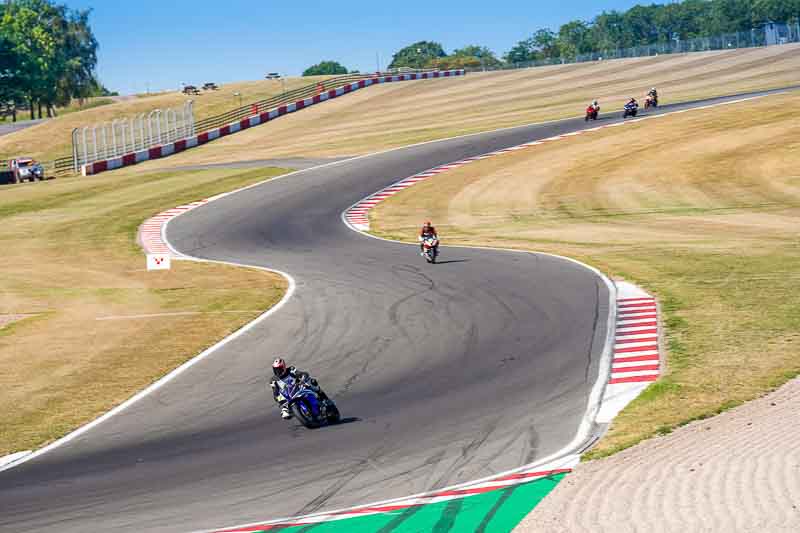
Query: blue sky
[{"x": 162, "y": 43}]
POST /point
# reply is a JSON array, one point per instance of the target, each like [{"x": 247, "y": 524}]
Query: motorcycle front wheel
[{"x": 303, "y": 414}]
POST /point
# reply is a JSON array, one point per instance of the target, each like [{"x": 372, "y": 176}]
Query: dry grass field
[
  {"x": 53, "y": 139},
  {"x": 72, "y": 259},
  {"x": 398, "y": 114},
  {"x": 74, "y": 282},
  {"x": 700, "y": 208}
]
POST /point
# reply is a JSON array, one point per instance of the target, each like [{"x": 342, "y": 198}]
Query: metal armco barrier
[{"x": 57, "y": 167}]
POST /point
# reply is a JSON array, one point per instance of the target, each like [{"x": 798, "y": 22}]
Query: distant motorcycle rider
[
  {"x": 652, "y": 98},
  {"x": 426, "y": 232},
  {"x": 592, "y": 111},
  {"x": 632, "y": 104},
  {"x": 281, "y": 373}
]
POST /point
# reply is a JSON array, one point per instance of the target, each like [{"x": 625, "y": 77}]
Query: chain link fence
[{"x": 769, "y": 35}]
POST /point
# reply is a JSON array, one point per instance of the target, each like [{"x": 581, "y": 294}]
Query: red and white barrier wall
[{"x": 191, "y": 142}]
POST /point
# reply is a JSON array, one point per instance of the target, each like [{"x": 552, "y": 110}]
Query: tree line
[
  {"x": 611, "y": 30},
  {"x": 48, "y": 54}
]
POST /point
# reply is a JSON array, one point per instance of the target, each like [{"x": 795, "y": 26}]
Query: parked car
[
  {"x": 25, "y": 168},
  {"x": 273, "y": 76}
]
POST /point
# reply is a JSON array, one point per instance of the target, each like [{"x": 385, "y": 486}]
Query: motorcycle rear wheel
[{"x": 333, "y": 413}]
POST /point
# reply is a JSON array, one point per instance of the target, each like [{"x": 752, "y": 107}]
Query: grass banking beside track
[
  {"x": 700, "y": 208},
  {"x": 398, "y": 114},
  {"x": 53, "y": 138},
  {"x": 73, "y": 288}
]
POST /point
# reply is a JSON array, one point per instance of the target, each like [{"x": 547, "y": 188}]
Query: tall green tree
[
  {"x": 78, "y": 56},
  {"x": 483, "y": 54},
  {"x": 325, "y": 68},
  {"x": 575, "y": 38},
  {"x": 546, "y": 44},
  {"x": 522, "y": 52},
  {"x": 53, "y": 49},
  {"x": 417, "y": 55},
  {"x": 654, "y": 23},
  {"x": 542, "y": 45},
  {"x": 776, "y": 10},
  {"x": 11, "y": 94},
  {"x": 26, "y": 26}
]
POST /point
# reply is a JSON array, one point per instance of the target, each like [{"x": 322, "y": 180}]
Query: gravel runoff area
[{"x": 739, "y": 471}]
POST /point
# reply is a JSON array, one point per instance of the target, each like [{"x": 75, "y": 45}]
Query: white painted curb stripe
[{"x": 605, "y": 400}]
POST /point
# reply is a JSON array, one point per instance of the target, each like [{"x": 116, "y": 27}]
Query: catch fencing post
[
  {"x": 113, "y": 137},
  {"x": 150, "y": 129},
  {"x": 133, "y": 134},
  {"x": 191, "y": 117},
  {"x": 141, "y": 132},
  {"x": 122, "y": 126},
  {"x": 85, "y": 145},
  {"x": 94, "y": 140},
  {"x": 75, "y": 150}
]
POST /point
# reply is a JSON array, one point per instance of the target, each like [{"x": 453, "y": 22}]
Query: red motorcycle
[
  {"x": 430, "y": 248},
  {"x": 592, "y": 112}
]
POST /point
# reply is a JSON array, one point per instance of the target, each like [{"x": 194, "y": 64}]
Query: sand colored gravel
[{"x": 739, "y": 471}]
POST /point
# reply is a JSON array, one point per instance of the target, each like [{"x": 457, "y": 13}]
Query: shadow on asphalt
[{"x": 452, "y": 261}]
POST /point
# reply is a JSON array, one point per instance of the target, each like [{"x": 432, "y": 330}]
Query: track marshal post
[{"x": 158, "y": 262}]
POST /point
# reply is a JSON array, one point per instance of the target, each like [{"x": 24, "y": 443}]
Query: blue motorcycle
[{"x": 305, "y": 405}]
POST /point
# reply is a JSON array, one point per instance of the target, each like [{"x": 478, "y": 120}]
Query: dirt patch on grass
[
  {"x": 70, "y": 259},
  {"x": 700, "y": 208}
]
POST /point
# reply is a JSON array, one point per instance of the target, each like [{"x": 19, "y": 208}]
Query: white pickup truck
[{"x": 25, "y": 168}]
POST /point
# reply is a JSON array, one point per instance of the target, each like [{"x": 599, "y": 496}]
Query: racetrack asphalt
[
  {"x": 444, "y": 373},
  {"x": 11, "y": 127}
]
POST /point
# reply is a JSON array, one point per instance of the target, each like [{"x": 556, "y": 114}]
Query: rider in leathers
[
  {"x": 428, "y": 231},
  {"x": 653, "y": 96},
  {"x": 280, "y": 373}
]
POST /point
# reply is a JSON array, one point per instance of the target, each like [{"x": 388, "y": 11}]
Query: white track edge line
[
  {"x": 173, "y": 373},
  {"x": 178, "y": 255},
  {"x": 584, "y": 429},
  {"x": 596, "y": 394},
  {"x": 29, "y": 455}
]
